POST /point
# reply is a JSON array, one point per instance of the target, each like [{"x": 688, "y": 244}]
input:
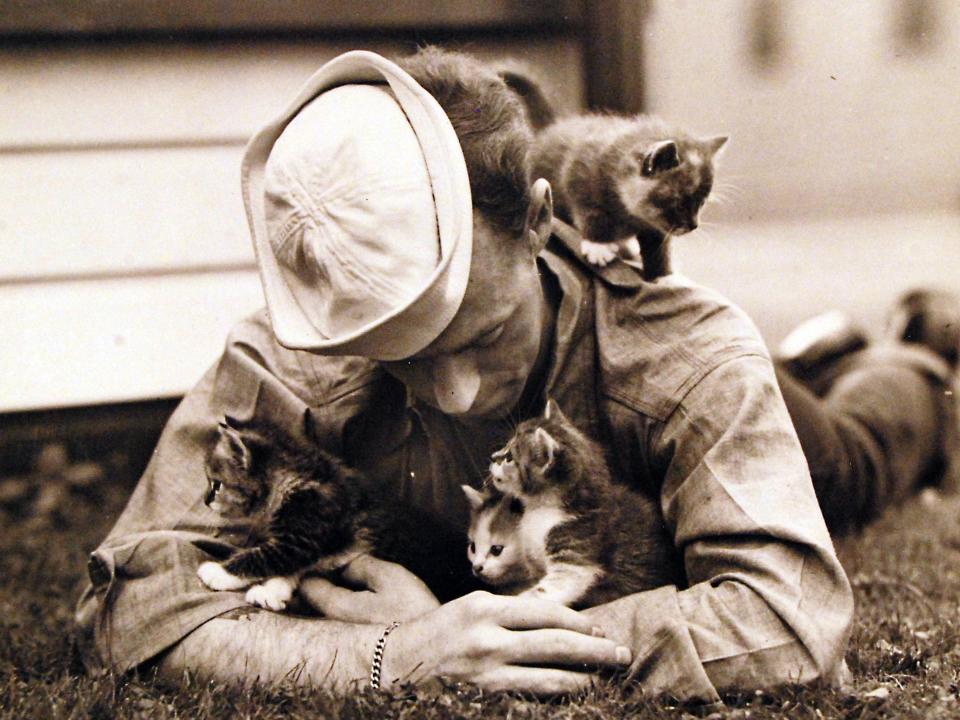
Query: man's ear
[{"x": 539, "y": 216}]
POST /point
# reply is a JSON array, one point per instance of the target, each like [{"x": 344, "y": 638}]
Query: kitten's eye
[
  {"x": 472, "y": 548},
  {"x": 495, "y": 550},
  {"x": 516, "y": 506},
  {"x": 217, "y": 485}
]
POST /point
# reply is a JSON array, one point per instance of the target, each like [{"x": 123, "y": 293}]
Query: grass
[{"x": 904, "y": 652}]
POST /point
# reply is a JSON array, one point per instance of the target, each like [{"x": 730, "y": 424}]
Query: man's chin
[{"x": 494, "y": 408}]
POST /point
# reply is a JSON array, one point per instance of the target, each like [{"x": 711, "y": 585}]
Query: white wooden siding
[{"x": 124, "y": 256}]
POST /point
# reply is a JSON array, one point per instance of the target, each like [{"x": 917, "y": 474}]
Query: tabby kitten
[
  {"x": 550, "y": 522},
  {"x": 628, "y": 183},
  {"x": 309, "y": 511}
]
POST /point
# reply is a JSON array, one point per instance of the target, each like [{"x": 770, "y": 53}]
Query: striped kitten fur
[{"x": 310, "y": 512}]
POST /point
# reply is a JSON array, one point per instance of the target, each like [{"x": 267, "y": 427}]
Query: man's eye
[{"x": 491, "y": 337}]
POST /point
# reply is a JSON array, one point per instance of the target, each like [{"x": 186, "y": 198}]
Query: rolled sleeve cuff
[
  {"x": 144, "y": 597},
  {"x": 665, "y": 658}
]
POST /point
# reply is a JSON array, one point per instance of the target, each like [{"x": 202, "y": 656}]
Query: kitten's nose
[{"x": 478, "y": 569}]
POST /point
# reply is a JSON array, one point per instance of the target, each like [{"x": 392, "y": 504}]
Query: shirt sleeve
[
  {"x": 144, "y": 594},
  {"x": 767, "y": 601}
]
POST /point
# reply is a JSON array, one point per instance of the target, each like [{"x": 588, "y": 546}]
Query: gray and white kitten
[
  {"x": 550, "y": 523},
  {"x": 628, "y": 183}
]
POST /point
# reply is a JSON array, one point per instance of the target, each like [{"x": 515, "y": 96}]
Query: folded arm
[
  {"x": 768, "y": 602},
  {"x": 145, "y": 600}
]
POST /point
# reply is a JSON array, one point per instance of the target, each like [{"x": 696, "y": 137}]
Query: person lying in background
[{"x": 420, "y": 302}]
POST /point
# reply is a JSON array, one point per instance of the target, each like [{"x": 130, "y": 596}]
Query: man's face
[{"x": 479, "y": 364}]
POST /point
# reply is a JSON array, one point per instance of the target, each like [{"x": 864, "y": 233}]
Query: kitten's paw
[
  {"x": 215, "y": 577},
  {"x": 274, "y": 594},
  {"x": 505, "y": 478},
  {"x": 598, "y": 253}
]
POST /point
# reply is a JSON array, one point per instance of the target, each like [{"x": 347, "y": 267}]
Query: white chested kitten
[
  {"x": 310, "y": 512},
  {"x": 550, "y": 523},
  {"x": 628, "y": 183}
]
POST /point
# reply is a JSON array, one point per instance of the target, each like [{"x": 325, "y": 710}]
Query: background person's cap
[{"x": 359, "y": 205}]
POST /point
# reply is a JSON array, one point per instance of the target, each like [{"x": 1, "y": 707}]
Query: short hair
[{"x": 491, "y": 124}]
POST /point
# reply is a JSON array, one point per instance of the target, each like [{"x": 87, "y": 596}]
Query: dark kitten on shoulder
[
  {"x": 309, "y": 511},
  {"x": 551, "y": 523},
  {"x": 628, "y": 183}
]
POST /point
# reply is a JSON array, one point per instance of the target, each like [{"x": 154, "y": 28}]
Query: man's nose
[{"x": 456, "y": 381}]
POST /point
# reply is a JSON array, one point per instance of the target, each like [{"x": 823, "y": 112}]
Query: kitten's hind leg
[
  {"x": 274, "y": 594},
  {"x": 565, "y": 583},
  {"x": 216, "y": 577}
]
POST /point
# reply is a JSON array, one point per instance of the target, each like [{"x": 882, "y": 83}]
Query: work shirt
[{"x": 671, "y": 378}]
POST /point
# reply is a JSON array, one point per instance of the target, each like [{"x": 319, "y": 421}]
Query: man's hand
[
  {"x": 391, "y": 593},
  {"x": 502, "y": 643}
]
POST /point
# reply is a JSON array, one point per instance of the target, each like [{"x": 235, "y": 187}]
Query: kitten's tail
[{"x": 540, "y": 112}]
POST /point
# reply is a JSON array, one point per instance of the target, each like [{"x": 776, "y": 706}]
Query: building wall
[
  {"x": 832, "y": 107},
  {"x": 840, "y": 186},
  {"x": 124, "y": 253}
]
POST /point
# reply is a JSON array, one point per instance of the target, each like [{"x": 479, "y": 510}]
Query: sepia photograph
[{"x": 480, "y": 359}]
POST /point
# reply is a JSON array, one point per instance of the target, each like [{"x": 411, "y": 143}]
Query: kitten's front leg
[
  {"x": 215, "y": 577},
  {"x": 564, "y": 583},
  {"x": 599, "y": 250},
  {"x": 599, "y": 254}
]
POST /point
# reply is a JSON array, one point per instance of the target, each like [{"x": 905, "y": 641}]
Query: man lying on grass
[{"x": 420, "y": 303}]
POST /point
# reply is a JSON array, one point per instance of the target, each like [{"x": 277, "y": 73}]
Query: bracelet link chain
[{"x": 377, "y": 665}]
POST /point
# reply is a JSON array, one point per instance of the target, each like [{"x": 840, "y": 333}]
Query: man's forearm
[{"x": 272, "y": 647}]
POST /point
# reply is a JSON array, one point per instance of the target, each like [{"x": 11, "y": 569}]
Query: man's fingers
[
  {"x": 539, "y": 681},
  {"x": 521, "y": 613},
  {"x": 562, "y": 647},
  {"x": 373, "y": 573},
  {"x": 337, "y": 602}
]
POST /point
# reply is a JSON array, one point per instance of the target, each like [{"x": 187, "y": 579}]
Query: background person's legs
[
  {"x": 873, "y": 439},
  {"x": 878, "y": 422}
]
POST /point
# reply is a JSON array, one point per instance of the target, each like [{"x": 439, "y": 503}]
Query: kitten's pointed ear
[
  {"x": 537, "y": 227},
  {"x": 233, "y": 446},
  {"x": 548, "y": 443},
  {"x": 474, "y": 497},
  {"x": 552, "y": 410},
  {"x": 715, "y": 145},
  {"x": 659, "y": 157}
]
